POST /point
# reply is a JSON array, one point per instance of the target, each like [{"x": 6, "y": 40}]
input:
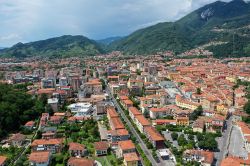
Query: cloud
[{"x": 30, "y": 20}]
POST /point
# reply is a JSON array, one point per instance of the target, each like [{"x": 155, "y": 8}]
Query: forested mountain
[
  {"x": 64, "y": 46},
  {"x": 224, "y": 22}
]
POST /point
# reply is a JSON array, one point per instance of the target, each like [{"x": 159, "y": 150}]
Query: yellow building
[{"x": 131, "y": 159}]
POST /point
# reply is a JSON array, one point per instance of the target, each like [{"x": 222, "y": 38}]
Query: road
[
  {"x": 223, "y": 142},
  {"x": 132, "y": 129}
]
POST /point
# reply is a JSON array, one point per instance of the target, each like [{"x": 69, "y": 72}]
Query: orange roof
[
  {"x": 39, "y": 157},
  {"x": 164, "y": 121},
  {"x": 127, "y": 102},
  {"x": 117, "y": 123},
  {"x": 235, "y": 161},
  {"x": 46, "y": 91},
  {"x": 124, "y": 145},
  {"x": 131, "y": 157},
  {"x": 163, "y": 109},
  {"x": 153, "y": 134},
  {"x": 102, "y": 145},
  {"x": 76, "y": 146},
  {"x": 2, "y": 159},
  {"x": 123, "y": 97},
  {"x": 73, "y": 161},
  {"x": 37, "y": 142},
  {"x": 142, "y": 120},
  {"x": 113, "y": 77},
  {"x": 122, "y": 132},
  {"x": 134, "y": 111},
  {"x": 112, "y": 112},
  {"x": 30, "y": 123}
]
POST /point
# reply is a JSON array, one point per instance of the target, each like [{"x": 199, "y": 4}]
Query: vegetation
[
  {"x": 64, "y": 46},
  {"x": 193, "y": 30},
  {"x": 198, "y": 112},
  {"x": 16, "y": 108}
]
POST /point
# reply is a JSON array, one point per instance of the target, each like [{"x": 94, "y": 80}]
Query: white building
[
  {"x": 53, "y": 102},
  {"x": 81, "y": 109}
]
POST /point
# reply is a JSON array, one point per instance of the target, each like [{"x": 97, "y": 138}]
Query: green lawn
[{"x": 109, "y": 160}]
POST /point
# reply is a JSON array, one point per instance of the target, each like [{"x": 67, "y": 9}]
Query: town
[{"x": 129, "y": 110}]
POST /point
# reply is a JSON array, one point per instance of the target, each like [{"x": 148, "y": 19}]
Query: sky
[{"x": 31, "y": 20}]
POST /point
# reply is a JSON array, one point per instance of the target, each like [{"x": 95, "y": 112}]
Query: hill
[
  {"x": 109, "y": 40},
  {"x": 228, "y": 22},
  {"x": 64, "y": 46}
]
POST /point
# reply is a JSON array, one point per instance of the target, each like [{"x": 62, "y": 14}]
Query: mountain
[
  {"x": 2, "y": 48},
  {"x": 64, "y": 46},
  {"x": 109, "y": 40},
  {"x": 227, "y": 23}
]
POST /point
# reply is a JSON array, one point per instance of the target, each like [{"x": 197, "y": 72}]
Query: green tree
[
  {"x": 174, "y": 136},
  {"x": 198, "y": 91}
]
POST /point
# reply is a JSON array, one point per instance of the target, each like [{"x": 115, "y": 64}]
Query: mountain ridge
[
  {"x": 63, "y": 46},
  {"x": 194, "y": 29}
]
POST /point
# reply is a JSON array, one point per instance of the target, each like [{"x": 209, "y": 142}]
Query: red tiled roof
[
  {"x": 142, "y": 120},
  {"x": 73, "y": 161},
  {"x": 39, "y": 157},
  {"x": 37, "y": 142},
  {"x": 76, "y": 146},
  {"x": 102, "y": 145},
  {"x": 124, "y": 145},
  {"x": 130, "y": 157},
  {"x": 2, "y": 159},
  {"x": 153, "y": 134}
]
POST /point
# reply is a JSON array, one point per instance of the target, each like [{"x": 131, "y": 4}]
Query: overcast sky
[{"x": 30, "y": 20}]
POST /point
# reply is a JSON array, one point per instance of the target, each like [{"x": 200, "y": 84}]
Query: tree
[
  {"x": 198, "y": 91},
  {"x": 182, "y": 140},
  {"x": 146, "y": 113},
  {"x": 174, "y": 136},
  {"x": 196, "y": 113},
  {"x": 247, "y": 107}
]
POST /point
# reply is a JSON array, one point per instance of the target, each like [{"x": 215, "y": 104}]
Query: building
[
  {"x": 75, "y": 82},
  {"x": 3, "y": 161},
  {"x": 73, "y": 161},
  {"x": 131, "y": 159},
  {"x": 77, "y": 150},
  {"x": 63, "y": 81},
  {"x": 133, "y": 112},
  {"x": 101, "y": 148},
  {"x": 235, "y": 161},
  {"x": 206, "y": 158},
  {"x": 53, "y": 145},
  {"x": 55, "y": 120},
  {"x": 29, "y": 125},
  {"x": 117, "y": 135},
  {"x": 141, "y": 122},
  {"x": 48, "y": 83},
  {"x": 53, "y": 103},
  {"x": 182, "y": 121},
  {"x": 125, "y": 147},
  {"x": 116, "y": 124},
  {"x": 111, "y": 113},
  {"x": 81, "y": 109},
  {"x": 154, "y": 137},
  {"x": 93, "y": 87},
  {"x": 17, "y": 139},
  {"x": 40, "y": 158},
  {"x": 184, "y": 103}
]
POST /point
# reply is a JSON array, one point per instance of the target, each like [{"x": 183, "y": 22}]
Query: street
[
  {"x": 140, "y": 141},
  {"x": 223, "y": 142}
]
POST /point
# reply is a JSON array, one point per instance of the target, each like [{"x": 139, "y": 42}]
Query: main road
[
  {"x": 223, "y": 142},
  {"x": 132, "y": 129}
]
